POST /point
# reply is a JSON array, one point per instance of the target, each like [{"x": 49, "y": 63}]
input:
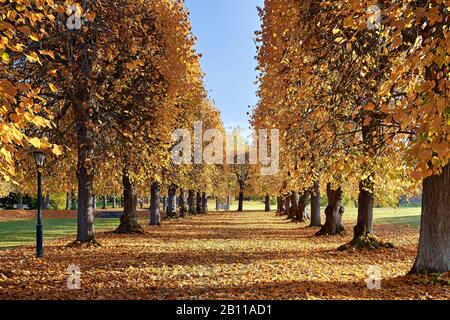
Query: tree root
[
  {"x": 369, "y": 241},
  {"x": 133, "y": 228},
  {"x": 87, "y": 244}
]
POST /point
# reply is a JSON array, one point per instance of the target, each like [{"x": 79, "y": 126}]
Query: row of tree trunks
[
  {"x": 183, "y": 203},
  {"x": 171, "y": 209},
  {"x": 333, "y": 213}
]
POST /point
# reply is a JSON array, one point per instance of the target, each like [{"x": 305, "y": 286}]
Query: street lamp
[{"x": 39, "y": 158}]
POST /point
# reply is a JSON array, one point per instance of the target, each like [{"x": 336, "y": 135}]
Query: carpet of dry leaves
[{"x": 251, "y": 255}]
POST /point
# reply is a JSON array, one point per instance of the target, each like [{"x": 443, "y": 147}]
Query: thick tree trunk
[
  {"x": 302, "y": 214},
  {"x": 204, "y": 203},
  {"x": 95, "y": 201},
  {"x": 198, "y": 202},
  {"x": 315, "y": 206},
  {"x": 129, "y": 220},
  {"x": 172, "y": 202},
  {"x": 105, "y": 203},
  {"x": 267, "y": 203},
  {"x": 334, "y": 211},
  {"x": 241, "y": 201},
  {"x": 182, "y": 203},
  {"x": 165, "y": 203},
  {"x": 433, "y": 254},
  {"x": 279, "y": 206},
  {"x": 192, "y": 202},
  {"x": 155, "y": 218}
]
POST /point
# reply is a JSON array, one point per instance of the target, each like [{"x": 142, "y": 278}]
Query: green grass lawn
[{"x": 22, "y": 232}]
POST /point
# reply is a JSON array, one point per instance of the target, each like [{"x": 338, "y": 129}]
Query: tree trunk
[
  {"x": 228, "y": 202},
  {"x": 292, "y": 212},
  {"x": 73, "y": 202},
  {"x": 279, "y": 206},
  {"x": 204, "y": 203},
  {"x": 20, "y": 201},
  {"x": 182, "y": 203},
  {"x": 433, "y": 254},
  {"x": 155, "y": 218},
  {"x": 241, "y": 201},
  {"x": 302, "y": 215},
  {"x": 198, "y": 202},
  {"x": 172, "y": 204},
  {"x": 165, "y": 203},
  {"x": 191, "y": 202},
  {"x": 47, "y": 201},
  {"x": 67, "y": 200},
  {"x": 95, "y": 201},
  {"x": 267, "y": 203},
  {"x": 113, "y": 202},
  {"x": 217, "y": 203},
  {"x": 315, "y": 206},
  {"x": 287, "y": 205},
  {"x": 105, "y": 203},
  {"x": 85, "y": 174},
  {"x": 334, "y": 211},
  {"x": 129, "y": 220}
]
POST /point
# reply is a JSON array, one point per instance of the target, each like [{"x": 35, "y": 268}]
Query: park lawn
[{"x": 22, "y": 232}]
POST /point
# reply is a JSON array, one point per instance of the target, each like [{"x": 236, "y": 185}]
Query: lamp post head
[{"x": 39, "y": 158}]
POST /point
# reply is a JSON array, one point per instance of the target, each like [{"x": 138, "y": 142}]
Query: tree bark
[
  {"x": 287, "y": 205},
  {"x": 204, "y": 203},
  {"x": 129, "y": 220},
  {"x": 433, "y": 255},
  {"x": 182, "y": 204},
  {"x": 279, "y": 206},
  {"x": 47, "y": 201},
  {"x": 198, "y": 204},
  {"x": 302, "y": 214},
  {"x": 217, "y": 203},
  {"x": 228, "y": 202},
  {"x": 292, "y": 211},
  {"x": 315, "y": 206},
  {"x": 191, "y": 202},
  {"x": 20, "y": 201},
  {"x": 105, "y": 203},
  {"x": 165, "y": 204},
  {"x": 241, "y": 201},
  {"x": 155, "y": 218},
  {"x": 113, "y": 202},
  {"x": 172, "y": 204},
  {"x": 334, "y": 211},
  {"x": 73, "y": 202},
  {"x": 267, "y": 203},
  {"x": 67, "y": 200}
]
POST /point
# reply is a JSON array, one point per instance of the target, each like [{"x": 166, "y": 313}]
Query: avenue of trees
[
  {"x": 362, "y": 106},
  {"x": 102, "y": 85},
  {"x": 361, "y": 91}
]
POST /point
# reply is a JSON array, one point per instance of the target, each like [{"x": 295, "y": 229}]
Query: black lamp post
[{"x": 39, "y": 157}]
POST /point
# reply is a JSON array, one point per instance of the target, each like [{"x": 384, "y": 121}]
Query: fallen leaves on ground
[{"x": 251, "y": 255}]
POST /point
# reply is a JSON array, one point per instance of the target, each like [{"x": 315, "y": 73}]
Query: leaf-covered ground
[{"x": 252, "y": 255}]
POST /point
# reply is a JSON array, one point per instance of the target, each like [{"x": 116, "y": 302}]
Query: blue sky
[{"x": 225, "y": 31}]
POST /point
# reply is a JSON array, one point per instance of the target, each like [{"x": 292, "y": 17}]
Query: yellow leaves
[
  {"x": 57, "y": 150},
  {"x": 53, "y": 88},
  {"x": 33, "y": 57},
  {"x": 35, "y": 142},
  {"x": 34, "y": 37}
]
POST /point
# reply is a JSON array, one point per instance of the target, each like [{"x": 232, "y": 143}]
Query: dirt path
[{"x": 252, "y": 255}]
